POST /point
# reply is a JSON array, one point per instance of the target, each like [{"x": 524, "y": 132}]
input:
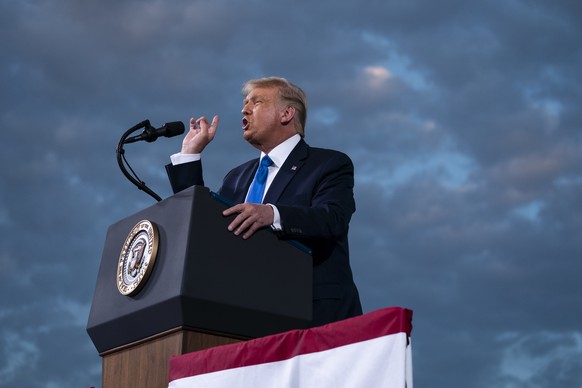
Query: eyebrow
[{"x": 254, "y": 98}]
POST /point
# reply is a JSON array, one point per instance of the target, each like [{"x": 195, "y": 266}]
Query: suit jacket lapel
[
  {"x": 244, "y": 180},
  {"x": 294, "y": 162}
]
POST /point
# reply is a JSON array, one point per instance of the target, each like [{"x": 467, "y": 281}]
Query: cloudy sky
[{"x": 462, "y": 118}]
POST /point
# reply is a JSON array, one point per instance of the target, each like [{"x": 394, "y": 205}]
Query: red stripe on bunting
[{"x": 290, "y": 344}]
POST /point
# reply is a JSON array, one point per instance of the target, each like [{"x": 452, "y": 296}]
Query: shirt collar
[{"x": 280, "y": 153}]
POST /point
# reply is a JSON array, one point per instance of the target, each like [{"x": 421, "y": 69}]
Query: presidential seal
[{"x": 137, "y": 257}]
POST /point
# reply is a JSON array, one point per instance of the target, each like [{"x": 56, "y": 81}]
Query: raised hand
[{"x": 200, "y": 135}]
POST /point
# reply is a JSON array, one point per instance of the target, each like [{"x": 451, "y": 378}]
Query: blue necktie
[{"x": 258, "y": 186}]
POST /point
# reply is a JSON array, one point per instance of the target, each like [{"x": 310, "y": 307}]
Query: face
[{"x": 263, "y": 115}]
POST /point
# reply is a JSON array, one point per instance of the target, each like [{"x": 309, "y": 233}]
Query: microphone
[{"x": 151, "y": 134}]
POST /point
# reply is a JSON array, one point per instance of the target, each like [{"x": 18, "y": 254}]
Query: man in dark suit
[{"x": 308, "y": 195}]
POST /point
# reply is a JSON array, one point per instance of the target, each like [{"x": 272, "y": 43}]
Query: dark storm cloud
[{"x": 462, "y": 119}]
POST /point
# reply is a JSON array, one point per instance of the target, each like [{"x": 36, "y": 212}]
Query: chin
[{"x": 248, "y": 137}]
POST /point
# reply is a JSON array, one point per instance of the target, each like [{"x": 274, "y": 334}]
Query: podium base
[{"x": 146, "y": 363}]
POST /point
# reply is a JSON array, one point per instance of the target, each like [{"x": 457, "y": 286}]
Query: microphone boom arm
[{"x": 121, "y": 158}]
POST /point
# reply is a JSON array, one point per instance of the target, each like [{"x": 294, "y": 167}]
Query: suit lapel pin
[{"x": 294, "y": 168}]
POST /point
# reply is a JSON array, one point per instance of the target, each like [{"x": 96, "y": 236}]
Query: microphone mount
[{"x": 149, "y": 134}]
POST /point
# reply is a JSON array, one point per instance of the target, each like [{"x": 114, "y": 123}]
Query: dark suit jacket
[{"x": 313, "y": 192}]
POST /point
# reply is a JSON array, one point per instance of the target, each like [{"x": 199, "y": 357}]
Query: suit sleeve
[
  {"x": 185, "y": 175},
  {"x": 326, "y": 203}
]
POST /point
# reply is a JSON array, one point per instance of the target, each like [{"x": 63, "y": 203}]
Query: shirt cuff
[
  {"x": 276, "y": 225},
  {"x": 181, "y": 158}
]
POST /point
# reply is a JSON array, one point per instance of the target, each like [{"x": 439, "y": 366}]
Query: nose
[{"x": 245, "y": 109}]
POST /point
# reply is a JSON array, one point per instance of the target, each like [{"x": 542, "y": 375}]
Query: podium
[{"x": 205, "y": 287}]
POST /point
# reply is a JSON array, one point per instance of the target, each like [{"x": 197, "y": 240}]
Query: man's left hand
[{"x": 251, "y": 217}]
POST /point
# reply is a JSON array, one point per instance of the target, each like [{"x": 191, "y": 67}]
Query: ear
[{"x": 287, "y": 115}]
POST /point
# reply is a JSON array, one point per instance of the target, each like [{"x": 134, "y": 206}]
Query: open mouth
[{"x": 245, "y": 124}]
